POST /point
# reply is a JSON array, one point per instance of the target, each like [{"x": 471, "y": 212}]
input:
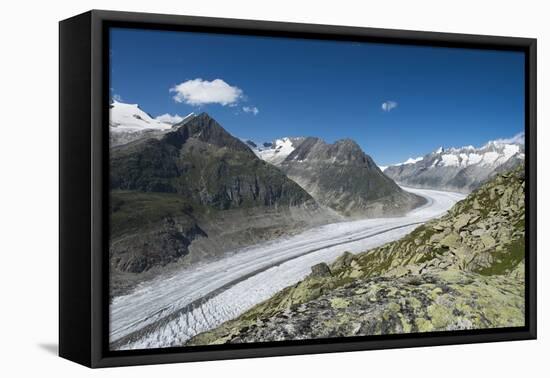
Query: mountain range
[
  {"x": 339, "y": 175},
  {"x": 189, "y": 191},
  {"x": 459, "y": 169}
]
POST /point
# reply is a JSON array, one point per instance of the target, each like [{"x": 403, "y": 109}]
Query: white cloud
[
  {"x": 251, "y": 109},
  {"x": 169, "y": 118},
  {"x": 387, "y": 106},
  {"x": 200, "y": 92},
  {"x": 516, "y": 139}
]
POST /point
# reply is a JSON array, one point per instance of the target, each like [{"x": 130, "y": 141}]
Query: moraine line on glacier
[{"x": 170, "y": 310}]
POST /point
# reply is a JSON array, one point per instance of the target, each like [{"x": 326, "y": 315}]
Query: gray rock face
[
  {"x": 159, "y": 246},
  {"x": 344, "y": 178},
  {"x": 458, "y": 169}
]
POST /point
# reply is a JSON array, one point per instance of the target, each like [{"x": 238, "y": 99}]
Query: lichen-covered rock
[
  {"x": 343, "y": 261},
  {"x": 320, "y": 270},
  {"x": 462, "y": 271},
  {"x": 436, "y": 301}
]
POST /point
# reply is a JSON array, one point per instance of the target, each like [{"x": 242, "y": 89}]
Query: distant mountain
[
  {"x": 344, "y": 178},
  {"x": 277, "y": 151},
  {"x": 459, "y": 169},
  {"x": 196, "y": 191},
  {"x": 128, "y": 122}
]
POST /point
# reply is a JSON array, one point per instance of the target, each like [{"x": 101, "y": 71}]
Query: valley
[
  {"x": 171, "y": 309},
  {"x": 206, "y": 227},
  {"x": 464, "y": 270},
  {"x": 191, "y": 192}
]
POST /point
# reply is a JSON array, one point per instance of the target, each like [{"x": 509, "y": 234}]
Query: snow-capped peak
[
  {"x": 277, "y": 151},
  {"x": 493, "y": 153},
  {"x": 129, "y": 117}
]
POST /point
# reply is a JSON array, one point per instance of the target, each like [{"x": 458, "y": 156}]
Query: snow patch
[
  {"x": 413, "y": 160},
  {"x": 410, "y": 161},
  {"x": 129, "y": 117},
  {"x": 274, "y": 152},
  {"x": 449, "y": 160}
]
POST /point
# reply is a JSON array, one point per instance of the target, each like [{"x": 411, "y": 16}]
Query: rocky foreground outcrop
[{"x": 462, "y": 271}]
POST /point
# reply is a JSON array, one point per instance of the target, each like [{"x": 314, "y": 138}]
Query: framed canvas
[{"x": 234, "y": 188}]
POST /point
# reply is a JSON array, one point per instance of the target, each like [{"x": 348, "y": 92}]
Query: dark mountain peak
[
  {"x": 206, "y": 129},
  {"x": 198, "y": 123},
  {"x": 204, "y": 116},
  {"x": 203, "y": 121}
]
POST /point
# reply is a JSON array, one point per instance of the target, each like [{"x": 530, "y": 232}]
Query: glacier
[{"x": 171, "y": 309}]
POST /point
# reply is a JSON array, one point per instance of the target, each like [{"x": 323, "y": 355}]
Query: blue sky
[{"x": 396, "y": 101}]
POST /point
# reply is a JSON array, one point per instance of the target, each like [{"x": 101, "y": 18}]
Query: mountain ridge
[
  {"x": 330, "y": 172},
  {"x": 460, "y": 169}
]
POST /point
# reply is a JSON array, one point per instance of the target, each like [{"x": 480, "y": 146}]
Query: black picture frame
[{"x": 83, "y": 167}]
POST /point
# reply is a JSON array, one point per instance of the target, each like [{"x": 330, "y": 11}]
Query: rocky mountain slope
[
  {"x": 344, "y": 178},
  {"x": 459, "y": 169},
  {"x": 462, "y": 271},
  {"x": 203, "y": 162},
  {"x": 193, "y": 193}
]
